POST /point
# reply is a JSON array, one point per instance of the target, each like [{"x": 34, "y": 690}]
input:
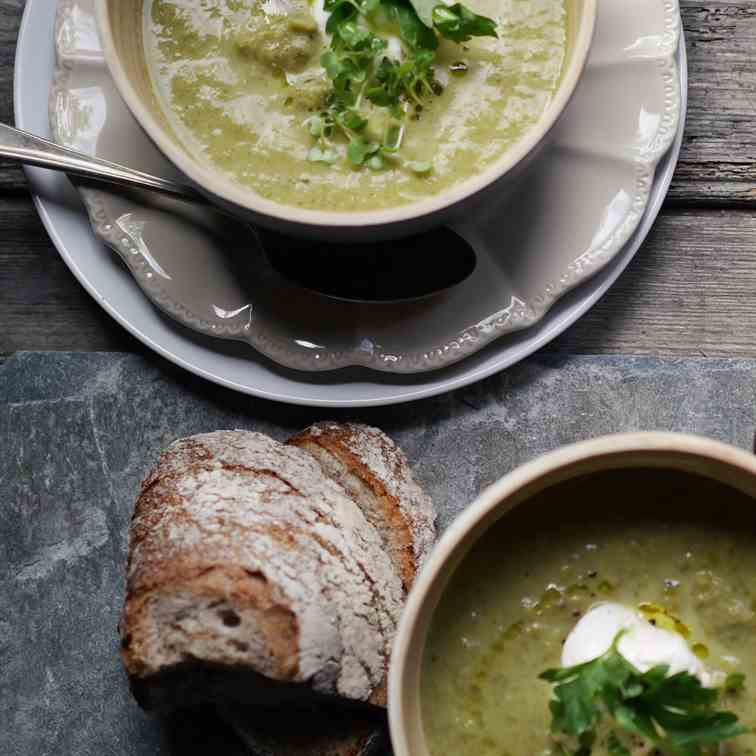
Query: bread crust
[
  {"x": 375, "y": 472},
  {"x": 242, "y": 554}
]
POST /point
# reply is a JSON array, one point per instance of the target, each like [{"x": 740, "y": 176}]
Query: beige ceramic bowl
[
  {"x": 635, "y": 473},
  {"x": 120, "y": 25}
]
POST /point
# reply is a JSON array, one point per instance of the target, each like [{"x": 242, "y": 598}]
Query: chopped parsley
[
  {"x": 735, "y": 682},
  {"x": 367, "y": 82},
  {"x": 675, "y": 713}
]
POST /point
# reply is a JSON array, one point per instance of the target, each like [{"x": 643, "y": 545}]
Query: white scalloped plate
[{"x": 574, "y": 226}]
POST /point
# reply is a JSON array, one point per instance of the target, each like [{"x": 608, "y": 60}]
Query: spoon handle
[{"x": 23, "y": 147}]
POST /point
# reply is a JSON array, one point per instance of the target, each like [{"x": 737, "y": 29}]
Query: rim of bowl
[
  {"x": 215, "y": 183},
  {"x": 651, "y": 449}
]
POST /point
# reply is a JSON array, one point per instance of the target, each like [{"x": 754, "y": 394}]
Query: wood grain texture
[
  {"x": 11, "y": 177},
  {"x": 691, "y": 289},
  {"x": 42, "y": 306},
  {"x": 718, "y": 161}
]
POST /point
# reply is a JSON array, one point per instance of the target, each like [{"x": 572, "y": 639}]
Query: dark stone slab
[{"x": 79, "y": 431}]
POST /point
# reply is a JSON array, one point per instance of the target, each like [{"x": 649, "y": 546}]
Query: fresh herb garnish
[
  {"x": 371, "y": 93},
  {"x": 615, "y": 746},
  {"x": 460, "y": 24},
  {"x": 675, "y": 713},
  {"x": 735, "y": 682}
]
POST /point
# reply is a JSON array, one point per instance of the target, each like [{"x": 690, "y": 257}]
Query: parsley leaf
[
  {"x": 360, "y": 150},
  {"x": 674, "y": 712},
  {"x": 424, "y": 10},
  {"x": 735, "y": 682},
  {"x": 616, "y": 747},
  {"x": 411, "y": 29},
  {"x": 460, "y": 24},
  {"x": 365, "y": 80},
  {"x": 351, "y": 120},
  {"x": 319, "y": 155},
  {"x": 342, "y": 13}
]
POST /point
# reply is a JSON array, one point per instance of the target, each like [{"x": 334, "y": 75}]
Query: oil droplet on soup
[{"x": 237, "y": 80}]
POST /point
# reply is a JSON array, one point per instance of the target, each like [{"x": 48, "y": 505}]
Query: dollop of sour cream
[{"x": 642, "y": 644}]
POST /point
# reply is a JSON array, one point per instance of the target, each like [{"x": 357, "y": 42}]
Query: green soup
[
  {"x": 239, "y": 78},
  {"x": 519, "y": 593}
]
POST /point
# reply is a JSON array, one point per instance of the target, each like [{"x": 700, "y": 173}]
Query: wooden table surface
[{"x": 691, "y": 290}]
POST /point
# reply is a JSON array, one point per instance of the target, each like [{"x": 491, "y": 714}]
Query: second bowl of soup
[{"x": 598, "y": 602}]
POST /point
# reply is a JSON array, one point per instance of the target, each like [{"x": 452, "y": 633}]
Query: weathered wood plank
[
  {"x": 690, "y": 290},
  {"x": 42, "y": 306},
  {"x": 718, "y": 164},
  {"x": 11, "y": 177}
]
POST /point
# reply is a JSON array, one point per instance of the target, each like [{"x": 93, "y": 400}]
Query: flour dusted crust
[
  {"x": 243, "y": 555},
  {"x": 375, "y": 472}
]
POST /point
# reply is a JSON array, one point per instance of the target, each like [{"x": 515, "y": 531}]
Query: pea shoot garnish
[
  {"x": 675, "y": 713},
  {"x": 372, "y": 94}
]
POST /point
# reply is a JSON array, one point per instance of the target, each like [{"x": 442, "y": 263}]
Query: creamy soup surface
[
  {"x": 238, "y": 78},
  {"x": 508, "y": 610}
]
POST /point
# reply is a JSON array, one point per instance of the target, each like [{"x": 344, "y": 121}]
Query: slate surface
[{"x": 79, "y": 431}]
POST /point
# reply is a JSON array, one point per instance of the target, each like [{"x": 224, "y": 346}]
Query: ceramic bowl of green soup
[
  {"x": 600, "y": 601},
  {"x": 347, "y": 119}
]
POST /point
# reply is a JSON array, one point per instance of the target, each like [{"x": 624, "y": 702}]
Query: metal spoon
[
  {"x": 23, "y": 147},
  {"x": 399, "y": 271}
]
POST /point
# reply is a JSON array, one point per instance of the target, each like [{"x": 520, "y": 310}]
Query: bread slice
[
  {"x": 252, "y": 577},
  {"x": 375, "y": 473}
]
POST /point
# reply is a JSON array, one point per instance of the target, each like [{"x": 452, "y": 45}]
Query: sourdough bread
[
  {"x": 375, "y": 473},
  {"x": 250, "y": 570}
]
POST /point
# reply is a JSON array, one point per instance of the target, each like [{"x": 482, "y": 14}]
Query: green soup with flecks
[
  {"x": 237, "y": 81},
  {"x": 509, "y": 607}
]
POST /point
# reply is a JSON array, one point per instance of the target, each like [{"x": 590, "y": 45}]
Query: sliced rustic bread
[
  {"x": 250, "y": 574},
  {"x": 374, "y": 471}
]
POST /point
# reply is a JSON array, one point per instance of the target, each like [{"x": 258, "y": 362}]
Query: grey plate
[{"x": 235, "y": 365}]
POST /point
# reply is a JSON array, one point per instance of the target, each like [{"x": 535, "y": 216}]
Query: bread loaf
[
  {"x": 374, "y": 472},
  {"x": 251, "y": 575}
]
